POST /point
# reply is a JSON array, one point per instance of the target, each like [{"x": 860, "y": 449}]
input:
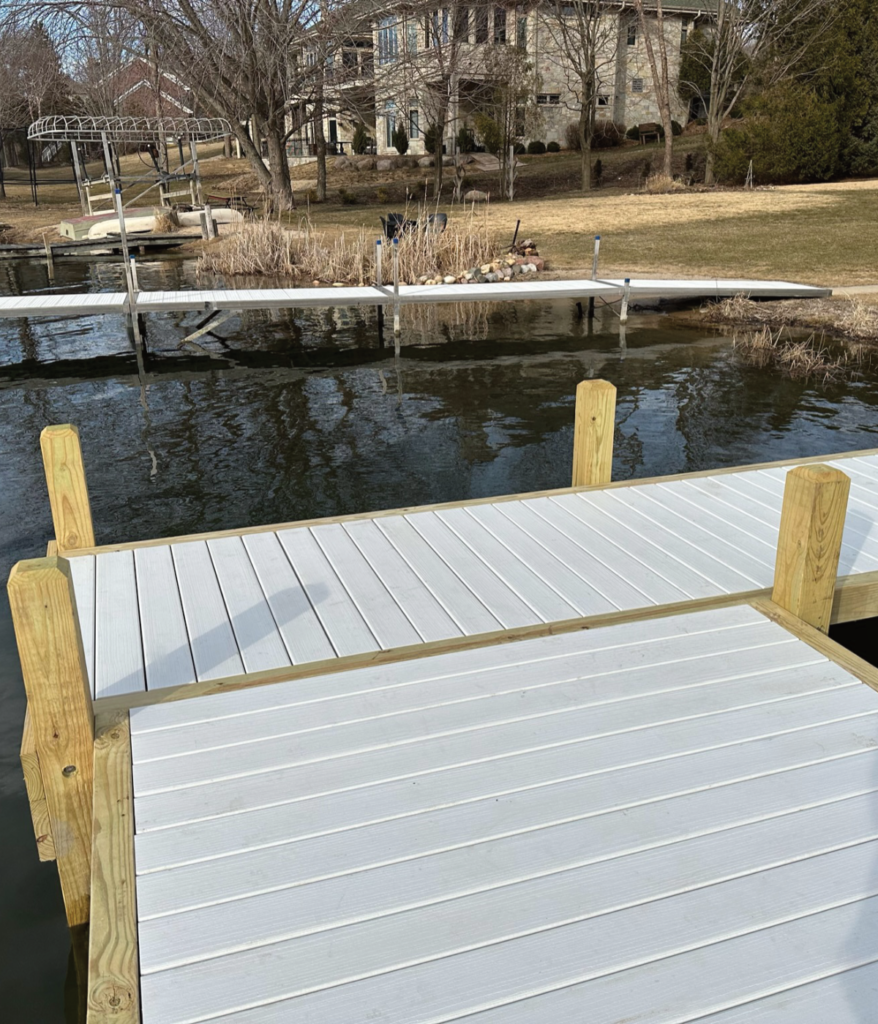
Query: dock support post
[
  {"x": 396, "y": 286},
  {"x": 809, "y": 544},
  {"x": 593, "y": 430},
  {"x": 59, "y": 700},
  {"x": 68, "y": 493},
  {"x": 626, "y": 295},
  {"x": 379, "y": 281},
  {"x": 597, "y": 252}
]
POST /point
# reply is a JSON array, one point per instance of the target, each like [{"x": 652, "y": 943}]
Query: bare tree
[
  {"x": 745, "y": 34},
  {"x": 661, "y": 78},
  {"x": 583, "y": 37}
]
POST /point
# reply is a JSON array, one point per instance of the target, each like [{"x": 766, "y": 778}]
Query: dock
[
  {"x": 232, "y": 299},
  {"x": 581, "y": 755}
]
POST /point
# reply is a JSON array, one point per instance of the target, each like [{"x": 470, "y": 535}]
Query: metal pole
[
  {"x": 32, "y": 170},
  {"x": 2, "y": 181},
  {"x": 134, "y": 275},
  {"x": 597, "y": 251},
  {"x": 379, "y": 281},
  {"x": 193, "y": 149},
  {"x": 396, "y": 286},
  {"x": 77, "y": 173},
  {"x": 626, "y": 293}
]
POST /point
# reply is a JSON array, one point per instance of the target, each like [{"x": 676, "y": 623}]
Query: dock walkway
[
  {"x": 587, "y": 755},
  {"x": 224, "y": 299},
  {"x": 656, "y": 821},
  {"x": 175, "y": 613}
]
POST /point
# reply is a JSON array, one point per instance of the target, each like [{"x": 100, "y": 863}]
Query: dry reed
[
  {"x": 802, "y": 358},
  {"x": 657, "y": 184},
  {"x": 266, "y": 248},
  {"x": 166, "y": 221},
  {"x": 852, "y": 318}
]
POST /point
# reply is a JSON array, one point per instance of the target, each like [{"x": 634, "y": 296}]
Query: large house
[{"x": 419, "y": 67}]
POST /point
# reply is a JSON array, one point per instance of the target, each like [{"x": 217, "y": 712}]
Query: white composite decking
[
  {"x": 666, "y": 821},
  {"x": 298, "y": 298},
  {"x": 169, "y": 615}
]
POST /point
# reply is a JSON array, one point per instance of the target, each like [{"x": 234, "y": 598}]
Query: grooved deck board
[
  {"x": 265, "y": 600},
  {"x": 664, "y": 821}
]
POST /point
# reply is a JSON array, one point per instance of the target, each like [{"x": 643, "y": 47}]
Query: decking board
[{"x": 667, "y": 819}]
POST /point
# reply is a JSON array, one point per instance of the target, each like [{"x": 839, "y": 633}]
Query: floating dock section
[
  {"x": 302, "y": 298},
  {"x": 583, "y": 755}
]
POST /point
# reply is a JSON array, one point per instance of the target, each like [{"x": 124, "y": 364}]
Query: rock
[
  {"x": 538, "y": 262},
  {"x": 485, "y": 268},
  {"x": 341, "y": 163},
  {"x": 516, "y": 268},
  {"x": 529, "y": 268},
  {"x": 507, "y": 273},
  {"x": 338, "y": 284},
  {"x": 492, "y": 277},
  {"x": 425, "y": 161},
  {"x": 485, "y": 161},
  {"x": 447, "y": 161},
  {"x": 476, "y": 196},
  {"x": 423, "y": 279},
  {"x": 384, "y": 164},
  {"x": 448, "y": 279},
  {"x": 364, "y": 163}
]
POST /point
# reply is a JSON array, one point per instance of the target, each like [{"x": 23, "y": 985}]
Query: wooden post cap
[
  {"x": 809, "y": 543},
  {"x": 593, "y": 430},
  {"x": 68, "y": 493},
  {"x": 59, "y": 702}
]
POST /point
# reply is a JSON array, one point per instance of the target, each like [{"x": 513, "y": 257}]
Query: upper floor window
[
  {"x": 414, "y": 123},
  {"x": 499, "y": 25},
  {"x": 481, "y": 25},
  {"x": 632, "y": 33},
  {"x": 437, "y": 27},
  {"x": 684, "y": 34},
  {"x": 637, "y": 85},
  {"x": 549, "y": 99},
  {"x": 388, "y": 43},
  {"x": 603, "y": 100},
  {"x": 411, "y": 35},
  {"x": 461, "y": 24},
  {"x": 521, "y": 32}
]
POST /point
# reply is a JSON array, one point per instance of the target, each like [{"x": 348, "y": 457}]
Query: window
[
  {"x": 461, "y": 24},
  {"x": 568, "y": 11},
  {"x": 603, "y": 100},
  {"x": 414, "y": 123},
  {"x": 333, "y": 131},
  {"x": 632, "y": 33},
  {"x": 437, "y": 28},
  {"x": 349, "y": 59},
  {"x": 411, "y": 35},
  {"x": 684, "y": 34},
  {"x": 521, "y": 32},
  {"x": 388, "y": 44},
  {"x": 389, "y": 122},
  {"x": 637, "y": 85},
  {"x": 481, "y": 24},
  {"x": 549, "y": 99},
  {"x": 499, "y": 25}
]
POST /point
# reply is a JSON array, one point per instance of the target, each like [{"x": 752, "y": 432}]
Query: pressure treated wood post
[
  {"x": 60, "y": 706},
  {"x": 593, "y": 430},
  {"x": 68, "y": 494},
  {"x": 812, "y": 521}
]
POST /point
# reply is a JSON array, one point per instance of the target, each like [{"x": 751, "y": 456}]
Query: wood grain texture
[
  {"x": 857, "y": 666},
  {"x": 593, "y": 428},
  {"x": 43, "y": 609},
  {"x": 113, "y": 967},
  {"x": 809, "y": 544},
  {"x": 68, "y": 493},
  {"x": 36, "y": 794}
]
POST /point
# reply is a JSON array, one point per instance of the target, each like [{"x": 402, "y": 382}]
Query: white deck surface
[
  {"x": 667, "y": 821},
  {"x": 277, "y": 298},
  {"x": 169, "y": 615}
]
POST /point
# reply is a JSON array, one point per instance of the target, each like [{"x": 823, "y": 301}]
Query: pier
[
  {"x": 225, "y": 299},
  {"x": 583, "y": 754}
]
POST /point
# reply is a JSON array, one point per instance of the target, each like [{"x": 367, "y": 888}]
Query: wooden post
[
  {"x": 68, "y": 494},
  {"x": 812, "y": 522},
  {"x": 593, "y": 430},
  {"x": 60, "y": 705},
  {"x": 113, "y": 971},
  {"x": 626, "y": 294}
]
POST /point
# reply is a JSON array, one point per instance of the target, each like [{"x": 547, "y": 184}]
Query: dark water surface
[{"x": 296, "y": 415}]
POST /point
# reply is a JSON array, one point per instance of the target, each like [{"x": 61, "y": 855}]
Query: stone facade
[{"x": 406, "y": 62}]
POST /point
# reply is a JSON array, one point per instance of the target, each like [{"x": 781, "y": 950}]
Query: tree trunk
[
  {"x": 227, "y": 147},
  {"x": 660, "y": 79},
  {"x": 320, "y": 140},
  {"x": 586, "y": 133},
  {"x": 438, "y": 168},
  {"x": 281, "y": 186}
]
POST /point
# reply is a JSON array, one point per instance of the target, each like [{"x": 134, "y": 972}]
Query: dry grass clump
[
  {"x": 801, "y": 358},
  {"x": 266, "y": 248},
  {"x": 166, "y": 221},
  {"x": 852, "y": 318},
  {"x": 660, "y": 183}
]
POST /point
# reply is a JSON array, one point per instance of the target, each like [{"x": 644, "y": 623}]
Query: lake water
[{"x": 302, "y": 414}]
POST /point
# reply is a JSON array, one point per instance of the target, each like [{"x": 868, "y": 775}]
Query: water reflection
[{"x": 303, "y": 414}]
